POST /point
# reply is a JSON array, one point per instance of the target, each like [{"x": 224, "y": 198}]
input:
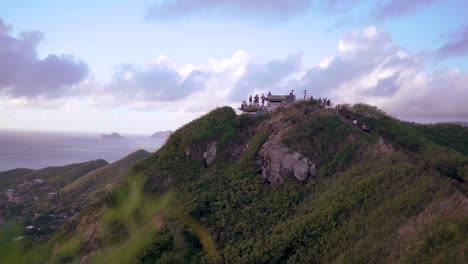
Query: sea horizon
[{"x": 39, "y": 149}]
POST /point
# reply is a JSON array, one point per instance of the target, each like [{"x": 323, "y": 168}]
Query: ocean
[{"x": 36, "y": 150}]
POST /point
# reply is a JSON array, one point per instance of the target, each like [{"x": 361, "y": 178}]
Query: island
[
  {"x": 162, "y": 134},
  {"x": 112, "y": 136}
]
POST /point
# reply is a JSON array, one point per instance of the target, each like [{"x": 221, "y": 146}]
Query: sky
[{"x": 147, "y": 65}]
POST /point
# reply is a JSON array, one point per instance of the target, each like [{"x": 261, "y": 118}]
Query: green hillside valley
[
  {"x": 301, "y": 184},
  {"x": 43, "y": 200}
]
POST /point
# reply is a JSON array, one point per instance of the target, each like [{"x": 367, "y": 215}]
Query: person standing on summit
[
  {"x": 263, "y": 100},
  {"x": 305, "y": 94}
]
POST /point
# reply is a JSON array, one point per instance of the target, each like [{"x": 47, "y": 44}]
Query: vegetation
[
  {"x": 58, "y": 175},
  {"x": 45, "y": 199},
  {"x": 395, "y": 195},
  {"x": 93, "y": 185}
]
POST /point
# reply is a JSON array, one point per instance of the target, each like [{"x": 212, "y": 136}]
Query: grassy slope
[
  {"x": 11, "y": 178},
  {"x": 354, "y": 211},
  {"x": 58, "y": 175},
  {"x": 66, "y": 174},
  {"x": 95, "y": 183}
]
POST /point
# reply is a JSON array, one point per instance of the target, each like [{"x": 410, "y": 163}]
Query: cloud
[
  {"x": 339, "y": 5},
  {"x": 264, "y": 76},
  {"x": 456, "y": 44},
  {"x": 386, "y": 86},
  {"x": 246, "y": 9},
  {"x": 360, "y": 53},
  {"x": 266, "y": 9},
  {"x": 370, "y": 68},
  {"x": 441, "y": 97},
  {"x": 158, "y": 82},
  {"x": 397, "y": 8},
  {"x": 367, "y": 67},
  {"x": 24, "y": 74}
]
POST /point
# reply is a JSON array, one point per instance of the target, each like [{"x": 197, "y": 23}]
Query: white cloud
[
  {"x": 24, "y": 74},
  {"x": 367, "y": 67}
]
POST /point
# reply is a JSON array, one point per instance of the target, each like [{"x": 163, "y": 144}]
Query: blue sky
[{"x": 158, "y": 64}]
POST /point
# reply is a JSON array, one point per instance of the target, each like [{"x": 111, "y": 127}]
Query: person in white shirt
[{"x": 305, "y": 94}]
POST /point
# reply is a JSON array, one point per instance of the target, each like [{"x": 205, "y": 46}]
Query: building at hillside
[{"x": 275, "y": 100}]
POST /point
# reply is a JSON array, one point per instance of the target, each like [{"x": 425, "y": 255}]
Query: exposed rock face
[
  {"x": 210, "y": 153},
  {"x": 312, "y": 169},
  {"x": 277, "y": 162}
]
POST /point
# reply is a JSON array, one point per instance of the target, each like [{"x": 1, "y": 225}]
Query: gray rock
[
  {"x": 301, "y": 170},
  {"x": 210, "y": 153},
  {"x": 313, "y": 170},
  {"x": 277, "y": 162}
]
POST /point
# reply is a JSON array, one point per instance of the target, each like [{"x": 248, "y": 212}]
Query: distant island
[
  {"x": 112, "y": 136},
  {"x": 162, "y": 134}
]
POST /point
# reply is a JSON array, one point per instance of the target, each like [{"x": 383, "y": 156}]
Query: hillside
[
  {"x": 299, "y": 185},
  {"x": 464, "y": 124},
  {"x": 34, "y": 197},
  {"x": 96, "y": 183},
  {"x": 11, "y": 178},
  {"x": 162, "y": 134},
  {"x": 66, "y": 174},
  {"x": 56, "y": 175}
]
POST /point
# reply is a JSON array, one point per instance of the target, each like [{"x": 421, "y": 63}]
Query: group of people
[
  {"x": 304, "y": 93},
  {"x": 364, "y": 128},
  {"x": 294, "y": 96},
  {"x": 325, "y": 102},
  {"x": 255, "y": 100}
]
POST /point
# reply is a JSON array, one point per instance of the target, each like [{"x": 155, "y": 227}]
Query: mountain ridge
[
  {"x": 394, "y": 195},
  {"x": 95, "y": 183}
]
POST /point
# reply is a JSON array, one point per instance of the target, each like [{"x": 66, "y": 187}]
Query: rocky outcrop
[
  {"x": 210, "y": 153},
  {"x": 276, "y": 162}
]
